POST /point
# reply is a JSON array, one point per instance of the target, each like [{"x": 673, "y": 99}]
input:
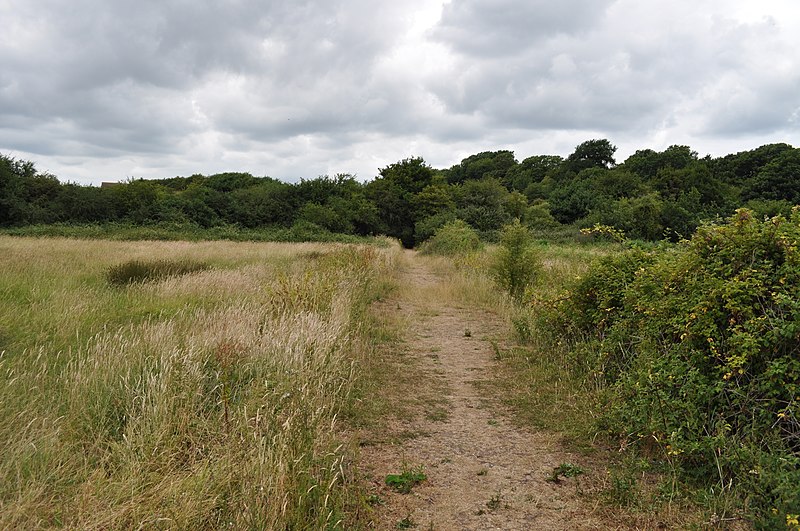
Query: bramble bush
[{"x": 699, "y": 347}]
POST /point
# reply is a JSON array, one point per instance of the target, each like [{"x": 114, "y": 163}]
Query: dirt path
[{"x": 482, "y": 471}]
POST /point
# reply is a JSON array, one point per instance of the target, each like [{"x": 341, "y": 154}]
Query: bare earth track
[{"x": 483, "y": 472}]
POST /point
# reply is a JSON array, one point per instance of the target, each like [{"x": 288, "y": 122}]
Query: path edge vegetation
[{"x": 682, "y": 359}]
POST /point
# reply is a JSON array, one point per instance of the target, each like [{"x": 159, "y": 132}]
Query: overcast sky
[{"x": 97, "y": 90}]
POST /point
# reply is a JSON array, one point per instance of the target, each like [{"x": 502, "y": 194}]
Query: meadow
[
  {"x": 201, "y": 400},
  {"x": 211, "y": 384}
]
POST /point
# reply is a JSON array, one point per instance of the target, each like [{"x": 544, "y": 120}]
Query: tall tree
[
  {"x": 777, "y": 180},
  {"x": 592, "y": 154}
]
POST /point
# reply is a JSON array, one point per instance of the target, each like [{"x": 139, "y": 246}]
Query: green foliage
[
  {"x": 406, "y": 523},
  {"x": 566, "y": 470},
  {"x": 136, "y": 271},
  {"x": 651, "y": 196},
  {"x": 638, "y": 217},
  {"x": 425, "y": 228},
  {"x": 538, "y": 216},
  {"x": 406, "y": 480},
  {"x": 769, "y": 208},
  {"x": 647, "y": 163},
  {"x": 777, "y": 180},
  {"x": 262, "y": 204},
  {"x": 411, "y": 175},
  {"x": 495, "y": 502},
  {"x": 325, "y": 217},
  {"x": 516, "y": 264},
  {"x": 516, "y": 204},
  {"x": 574, "y": 200},
  {"x": 699, "y": 346},
  {"x": 489, "y": 164},
  {"x": 592, "y": 154},
  {"x": 433, "y": 200},
  {"x": 394, "y": 209},
  {"x": 598, "y": 300},
  {"x": 739, "y": 168},
  {"x": 302, "y": 231},
  {"x": 623, "y": 490},
  {"x": 484, "y": 204},
  {"x": 533, "y": 170},
  {"x": 453, "y": 239},
  {"x": 604, "y": 232}
]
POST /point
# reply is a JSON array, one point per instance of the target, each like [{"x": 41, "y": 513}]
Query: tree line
[{"x": 651, "y": 195}]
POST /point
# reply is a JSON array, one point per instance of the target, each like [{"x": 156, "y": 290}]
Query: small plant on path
[
  {"x": 495, "y": 502},
  {"x": 406, "y": 523},
  {"x": 406, "y": 480},
  {"x": 567, "y": 470}
]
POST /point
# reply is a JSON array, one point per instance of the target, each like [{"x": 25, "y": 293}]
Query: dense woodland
[{"x": 651, "y": 195}]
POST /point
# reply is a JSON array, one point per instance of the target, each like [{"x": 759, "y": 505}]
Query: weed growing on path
[
  {"x": 406, "y": 523},
  {"x": 496, "y": 502},
  {"x": 566, "y": 470},
  {"x": 406, "y": 480}
]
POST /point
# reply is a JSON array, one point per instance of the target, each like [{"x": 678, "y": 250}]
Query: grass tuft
[{"x": 137, "y": 271}]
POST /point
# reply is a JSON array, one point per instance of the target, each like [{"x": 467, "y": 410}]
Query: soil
[{"x": 483, "y": 471}]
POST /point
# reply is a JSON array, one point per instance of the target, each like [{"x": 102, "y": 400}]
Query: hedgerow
[{"x": 699, "y": 348}]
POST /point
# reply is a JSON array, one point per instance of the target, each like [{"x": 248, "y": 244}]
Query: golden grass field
[{"x": 208, "y": 400}]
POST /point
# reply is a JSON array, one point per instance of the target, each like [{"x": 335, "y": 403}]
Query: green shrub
[
  {"x": 144, "y": 270},
  {"x": 538, "y": 216},
  {"x": 426, "y": 228},
  {"x": 453, "y": 239},
  {"x": 516, "y": 264},
  {"x": 700, "y": 346}
]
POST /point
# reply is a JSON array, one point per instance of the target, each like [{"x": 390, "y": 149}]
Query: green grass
[
  {"x": 186, "y": 232},
  {"x": 134, "y": 271}
]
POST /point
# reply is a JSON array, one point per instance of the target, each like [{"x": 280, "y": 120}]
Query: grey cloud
[
  {"x": 756, "y": 109},
  {"x": 297, "y": 88},
  {"x": 492, "y": 28},
  {"x": 759, "y": 89},
  {"x": 130, "y": 71},
  {"x": 610, "y": 72}
]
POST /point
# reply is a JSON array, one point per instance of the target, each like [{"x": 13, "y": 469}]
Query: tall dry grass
[{"x": 203, "y": 401}]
